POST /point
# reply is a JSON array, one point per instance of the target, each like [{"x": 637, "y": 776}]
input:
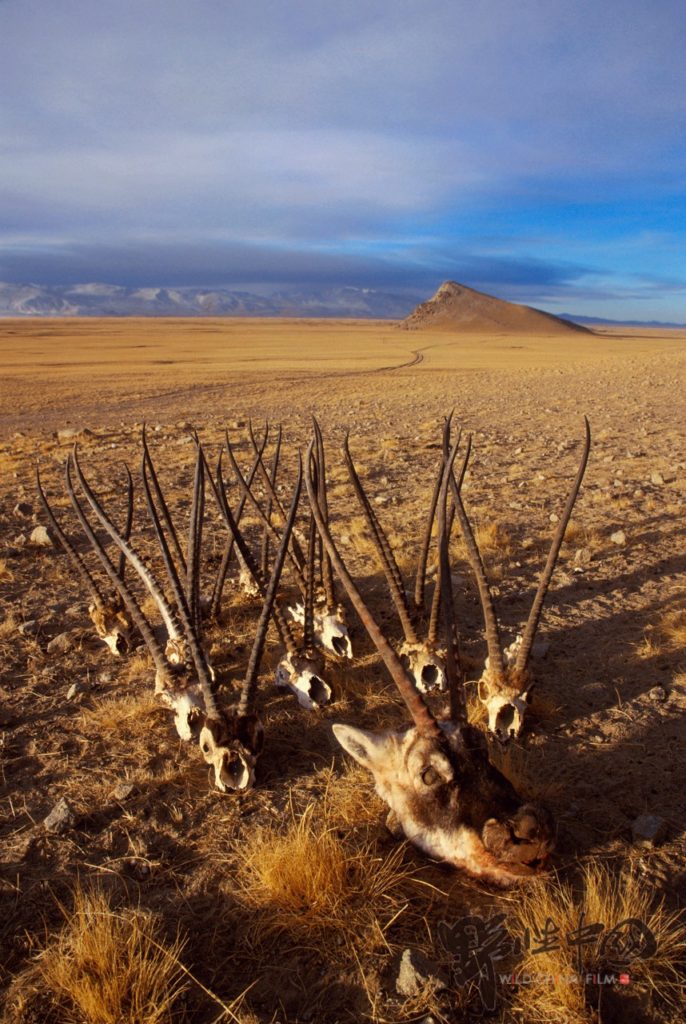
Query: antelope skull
[
  {"x": 302, "y": 675},
  {"x": 231, "y": 743},
  {"x": 330, "y": 628},
  {"x": 426, "y": 666}
]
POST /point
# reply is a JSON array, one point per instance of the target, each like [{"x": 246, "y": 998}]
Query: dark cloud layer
[{"x": 393, "y": 143}]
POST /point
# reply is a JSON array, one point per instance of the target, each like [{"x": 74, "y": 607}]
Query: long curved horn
[
  {"x": 133, "y": 557},
  {"x": 273, "y": 470},
  {"x": 249, "y": 689},
  {"x": 295, "y": 564},
  {"x": 129, "y": 520},
  {"x": 491, "y": 626},
  {"x": 72, "y": 553},
  {"x": 420, "y": 579},
  {"x": 120, "y": 584},
  {"x": 195, "y": 543},
  {"x": 537, "y": 607},
  {"x": 168, "y": 522},
  {"x": 192, "y": 639},
  {"x": 453, "y": 661},
  {"x": 230, "y": 541},
  {"x": 421, "y": 715},
  {"x": 298, "y": 555},
  {"x": 282, "y": 626},
  {"x": 388, "y": 562},
  {"x": 327, "y": 574}
]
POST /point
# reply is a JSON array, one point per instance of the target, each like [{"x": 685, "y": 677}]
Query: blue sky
[{"x": 534, "y": 149}]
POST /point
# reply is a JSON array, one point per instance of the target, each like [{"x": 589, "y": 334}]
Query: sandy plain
[{"x": 607, "y": 735}]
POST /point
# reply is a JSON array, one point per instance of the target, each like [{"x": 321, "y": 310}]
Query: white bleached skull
[
  {"x": 506, "y": 699},
  {"x": 184, "y": 697},
  {"x": 302, "y": 676},
  {"x": 425, "y": 665},
  {"x": 231, "y": 745},
  {"x": 330, "y": 628},
  {"x": 113, "y": 626}
]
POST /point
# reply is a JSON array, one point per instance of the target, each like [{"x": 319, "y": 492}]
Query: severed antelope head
[
  {"x": 108, "y": 615},
  {"x": 436, "y": 777},
  {"x": 423, "y": 659},
  {"x": 506, "y": 683},
  {"x": 300, "y": 670}
]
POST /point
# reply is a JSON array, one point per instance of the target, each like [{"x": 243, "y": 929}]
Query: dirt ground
[{"x": 606, "y": 739}]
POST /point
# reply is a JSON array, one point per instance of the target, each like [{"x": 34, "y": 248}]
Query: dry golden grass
[
  {"x": 606, "y": 898},
  {"x": 110, "y": 714},
  {"x": 307, "y": 880},
  {"x": 6, "y": 574},
  {"x": 8, "y": 626},
  {"x": 112, "y": 967},
  {"x": 648, "y": 646},
  {"x": 672, "y": 626}
]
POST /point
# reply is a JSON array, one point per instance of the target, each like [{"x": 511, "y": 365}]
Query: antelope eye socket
[
  {"x": 205, "y": 747},
  {"x": 429, "y": 776}
]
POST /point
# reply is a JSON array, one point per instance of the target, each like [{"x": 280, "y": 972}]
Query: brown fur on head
[
  {"x": 232, "y": 743},
  {"x": 113, "y": 626},
  {"x": 451, "y": 802}
]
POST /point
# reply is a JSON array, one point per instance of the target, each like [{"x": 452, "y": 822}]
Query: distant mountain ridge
[
  {"x": 99, "y": 299},
  {"x": 455, "y": 307},
  {"x": 96, "y": 299}
]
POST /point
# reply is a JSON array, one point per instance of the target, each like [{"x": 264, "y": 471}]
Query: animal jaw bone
[
  {"x": 425, "y": 665},
  {"x": 302, "y": 676},
  {"x": 436, "y": 777}
]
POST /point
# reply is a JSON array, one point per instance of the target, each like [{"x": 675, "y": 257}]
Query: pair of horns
[{"x": 419, "y": 711}]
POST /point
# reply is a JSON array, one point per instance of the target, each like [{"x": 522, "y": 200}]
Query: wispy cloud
[{"x": 392, "y": 138}]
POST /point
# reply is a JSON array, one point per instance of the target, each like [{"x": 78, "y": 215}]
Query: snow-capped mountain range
[{"x": 116, "y": 300}]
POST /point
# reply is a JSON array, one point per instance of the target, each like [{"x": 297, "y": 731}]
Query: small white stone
[
  {"x": 618, "y": 538},
  {"x": 40, "y": 538}
]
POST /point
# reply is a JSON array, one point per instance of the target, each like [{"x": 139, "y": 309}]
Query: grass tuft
[
  {"x": 603, "y": 897},
  {"x": 310, "y": 880},
  {"x": 113, "y": 967}
]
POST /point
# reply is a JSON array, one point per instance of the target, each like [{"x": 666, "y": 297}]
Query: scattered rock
[
  {"x": 415, "y": 971},
  {"x": 583, "y": 556},
  {"x": 649, "y": 829},
  {"x": 23, "y": 510},
  {"x": 528, "y": 542},
  {"x": 618, "y": 538},
  {"x": 61, "y": 643},
  {"x": 657, "y": 479},
  {"x": 71, "y": 434},
  {"x": 540, "y": 649},
  {"x": 77, "y": 688},
  {"x": 28, "y": 628},
  {"x": 553, "y": 517},
  {"x": 61, "y": 817},
  {"x": 41, "y": 538},
  {"x": 123, "y": 790},
  {"x": 659, "y": 694},
  {"x": 18, "y": 544}
]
